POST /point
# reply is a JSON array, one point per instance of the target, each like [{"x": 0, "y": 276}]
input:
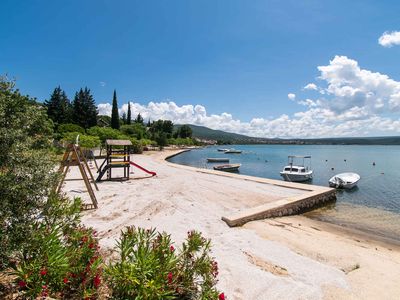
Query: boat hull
[
  {"x": 296, "y": 177},
  {"x": 228, "y": 167},
  {"x": 344, "y": 181},
  {"x": 217, "y": 159}
]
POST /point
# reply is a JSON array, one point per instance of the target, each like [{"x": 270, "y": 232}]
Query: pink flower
[
  {"x": 22, "y": 284},
  {"x": 43, "y": 272},
  {"x": 171, "y": 248},
  {"x": 65, "y": 280},
  {"x": 221, "y": 296},
  {"x": 169, "y": 278}
]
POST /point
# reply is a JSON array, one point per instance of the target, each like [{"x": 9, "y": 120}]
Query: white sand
[{"x": 258, "y": 261}]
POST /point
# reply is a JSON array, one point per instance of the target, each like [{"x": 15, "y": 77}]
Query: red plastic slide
[{"x": 143, "y": 169}]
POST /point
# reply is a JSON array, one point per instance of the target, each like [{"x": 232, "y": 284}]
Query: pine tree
[
  {"x": 58, "y": 107},
  {"x": 129, "y": 117},
  {"x": 114, "y": 113},
  {"x": 84, "y": 109}
]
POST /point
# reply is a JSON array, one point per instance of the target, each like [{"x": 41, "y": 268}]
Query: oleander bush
[
  {"x": 60, "y": 265},
  {"x": 149, "y": 267}
]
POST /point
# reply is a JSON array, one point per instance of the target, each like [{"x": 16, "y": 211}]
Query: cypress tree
[
  {"x": 139, "y": 119},
  {"x": 58, "y": 107},
  {"x": 129, "y": 117},
  {"x": 84, "y": 109},
  {"x": 114, "y": 113},
  {"x": 124, "y": 118}
]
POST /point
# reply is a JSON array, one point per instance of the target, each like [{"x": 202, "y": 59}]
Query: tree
[
  {"x": 27, "y": 169},
  {"x": 59, "y": 107},
  {"x": 139, "y": 119},
  {"x": 185, "y": 132},
  {"x": 124, "y": 118},
  {"x": 84, "y": 108},
  {"x": 168, "y": 128},
  {"x": 129, "y": 117},
  {"x": 114, "y": 113}
]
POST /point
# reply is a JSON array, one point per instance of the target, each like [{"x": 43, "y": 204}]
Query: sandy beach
[{"x": 282, "y": 258}]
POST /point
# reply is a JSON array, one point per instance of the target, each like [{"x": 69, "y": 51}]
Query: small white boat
[
  {"x": 233, "y": 151},
  {"x": 297, "y": 173},
  {"x": 344, "y": 180},
  {"x": 228, "y": 167},
  {"x": 222, "y": 150},
  {"x": 218, "y": 159}
]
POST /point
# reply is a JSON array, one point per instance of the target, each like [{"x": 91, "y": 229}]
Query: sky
[{"x": 262, "y": 68}]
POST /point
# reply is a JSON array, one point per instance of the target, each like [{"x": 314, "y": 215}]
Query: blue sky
[{"x": 241, "y": 58}]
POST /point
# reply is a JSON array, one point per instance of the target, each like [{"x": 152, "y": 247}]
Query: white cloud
[
  {"x": 102, "y": 83},
  {"x": 354, "y": 102},
  {"x": 348, "y": 86},
  {"x": 388, "y": 39},
  {"x": 311, "y": 86}
]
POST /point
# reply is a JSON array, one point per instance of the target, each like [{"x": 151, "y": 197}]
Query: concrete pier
[{"x": 283, "y": 207}]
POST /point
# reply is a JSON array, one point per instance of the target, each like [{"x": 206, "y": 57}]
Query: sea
[{"x": 373, "y": 206}]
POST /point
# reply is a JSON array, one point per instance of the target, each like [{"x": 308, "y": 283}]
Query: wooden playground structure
[
  {"x": 118, "y": 156},
  {"x": 74, "y": 156}
]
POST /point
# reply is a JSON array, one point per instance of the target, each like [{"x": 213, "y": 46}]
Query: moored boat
[
  {"x": 299, "y": 172},
  {"x": 228, "y": 167},
  {"x": 344, "y": 180},
  {"x": 218, "y": 159},
  {"x": 233, "y": 151},
  {"x": 222, "y": 149}
]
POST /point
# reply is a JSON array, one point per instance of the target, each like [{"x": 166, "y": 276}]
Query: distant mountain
[{"x": 206, "y": 133}]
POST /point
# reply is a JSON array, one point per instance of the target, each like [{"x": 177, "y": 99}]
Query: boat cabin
[{"x": 295, "y": 169}]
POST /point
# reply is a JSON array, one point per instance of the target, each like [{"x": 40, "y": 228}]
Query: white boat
[
  {"x": 218, "y": 159},
  {"x": 233, "y": 151},
  {"x": 344, "y": 180},
  {"x": 297, "y": 173},
  {"x": 228, "y": 167},
  {"x": 222, "y": 150}
]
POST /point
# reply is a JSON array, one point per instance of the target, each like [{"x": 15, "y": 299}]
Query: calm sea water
[{"x": 373, "y": 206}]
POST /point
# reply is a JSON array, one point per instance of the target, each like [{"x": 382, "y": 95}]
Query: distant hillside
[{"x": 206, "y": 133}]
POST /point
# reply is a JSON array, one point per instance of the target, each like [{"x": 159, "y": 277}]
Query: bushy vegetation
[{"x": 150, "y": 267}]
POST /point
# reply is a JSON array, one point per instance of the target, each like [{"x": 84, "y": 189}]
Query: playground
[{"x": 87, "y": 170}]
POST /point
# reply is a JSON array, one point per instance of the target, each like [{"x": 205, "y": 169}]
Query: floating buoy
[
  {"x": 332, "y": 169},
  {"x": 373, "y": 163},
  {"x": 326, "y": 160},
  {"x": 266, "y": 160},
  {"x": 382, "y": 173},
  {"x": 345, "y": 160}
]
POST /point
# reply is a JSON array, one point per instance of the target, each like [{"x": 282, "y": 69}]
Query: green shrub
[
  {"x": 69, "y": 127},
  {"x": 137, "y": 146},
  {"x": 104, "y": 133},
  {"x": 135, "y": 130},
  {"x": 85, "y": 141},
  {"x": 150, "y": 267}
]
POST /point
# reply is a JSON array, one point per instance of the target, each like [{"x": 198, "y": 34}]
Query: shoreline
[
  {"x": 363, "y": 232},
  {"x": 319, "y": 261}
]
